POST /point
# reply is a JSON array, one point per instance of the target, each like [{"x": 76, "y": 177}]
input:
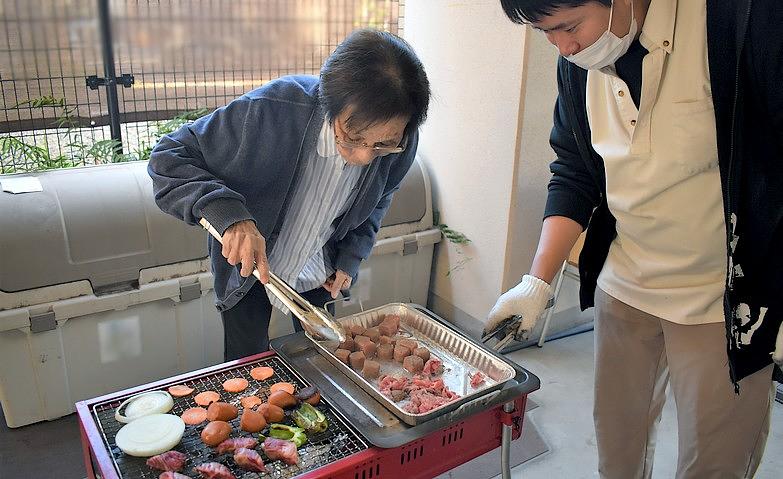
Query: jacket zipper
[{"x": 729, "y": 232}]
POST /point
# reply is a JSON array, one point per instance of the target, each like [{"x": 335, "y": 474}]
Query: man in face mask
[{"x": 667, "y": 132}]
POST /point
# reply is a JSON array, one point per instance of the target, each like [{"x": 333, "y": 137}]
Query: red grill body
[{"x": 426, "y": 457}]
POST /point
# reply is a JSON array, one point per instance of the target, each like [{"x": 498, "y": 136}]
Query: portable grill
[{"x": 364, "y": 439}]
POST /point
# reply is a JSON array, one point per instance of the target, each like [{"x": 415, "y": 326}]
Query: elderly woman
[{"x": 297, "y": 176}]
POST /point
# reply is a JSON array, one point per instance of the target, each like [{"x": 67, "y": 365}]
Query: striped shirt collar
[{"x": 326, "y": 146}]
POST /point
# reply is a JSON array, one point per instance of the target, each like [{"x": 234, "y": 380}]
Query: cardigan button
[{"x": 666, "y": 43}]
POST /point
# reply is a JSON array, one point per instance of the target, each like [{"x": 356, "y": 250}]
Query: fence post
[{"x": 109, "y": 74}]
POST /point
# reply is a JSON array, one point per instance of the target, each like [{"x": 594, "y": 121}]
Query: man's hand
[
  {"x": 242, "y": 242},
  {"x": 339, "y": 280},
  {"x": 528, "y": 299}
]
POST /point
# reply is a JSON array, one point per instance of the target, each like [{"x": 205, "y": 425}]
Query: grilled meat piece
[
  {"x": 280, "y": 449},
  {"x": 168, "y": 461},
  {"x": 214, "y": 470},
  {"x": 230, "y": 445},
  {"x": 249, "y": 460}
]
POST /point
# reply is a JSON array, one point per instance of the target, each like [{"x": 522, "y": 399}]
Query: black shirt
[{"x": 629, "y": 69}]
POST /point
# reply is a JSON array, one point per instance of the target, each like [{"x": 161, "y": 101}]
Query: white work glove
[
  {"x": 528, "y": 299},
  {"x": 777, "y": 355}
]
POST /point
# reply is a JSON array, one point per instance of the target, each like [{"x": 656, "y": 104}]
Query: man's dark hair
[
  {"x": 379, "y": 75},
  {"x": 533, "y": 11}
]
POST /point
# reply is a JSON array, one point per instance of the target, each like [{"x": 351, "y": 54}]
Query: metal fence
[{"x": 169, "y": 61}]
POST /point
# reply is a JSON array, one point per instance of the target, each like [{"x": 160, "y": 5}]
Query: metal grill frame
[{"x": 102, "y": 411}]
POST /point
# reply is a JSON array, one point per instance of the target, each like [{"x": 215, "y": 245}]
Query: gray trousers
[{"x": 721, "y": 434}]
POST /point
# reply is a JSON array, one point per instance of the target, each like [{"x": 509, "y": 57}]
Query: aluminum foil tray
[{"x": 461, "y": 359}]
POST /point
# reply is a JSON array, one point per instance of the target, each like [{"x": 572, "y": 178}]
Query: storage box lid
[{"x": 96, "y": 223}]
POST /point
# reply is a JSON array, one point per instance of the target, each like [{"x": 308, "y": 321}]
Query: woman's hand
[
  {"x": 242, "y": 242},
  {"x": 340, "y": 280}
]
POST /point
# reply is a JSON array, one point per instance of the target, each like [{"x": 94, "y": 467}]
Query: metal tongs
[
  {"x": 316, "y": 321},
  {"x": 506, "y": 331}
]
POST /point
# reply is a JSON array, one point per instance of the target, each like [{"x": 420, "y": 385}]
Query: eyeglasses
[{"x": 378, "y": 150}]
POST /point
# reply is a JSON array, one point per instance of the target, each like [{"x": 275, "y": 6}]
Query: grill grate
[{"x": 337, "y": 442}]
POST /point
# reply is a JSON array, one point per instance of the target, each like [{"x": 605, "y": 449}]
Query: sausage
[
  {"x": 283, "y": 399},
  {"x": 271, "y": 412},
  {"x": 252, "y": 420},
  {"x": 215, "y": 433},
  {"x": 222, "y": 411}
]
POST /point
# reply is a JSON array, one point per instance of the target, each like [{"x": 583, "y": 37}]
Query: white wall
[
  {"x": 485, "y": 145},
  {"x": 474, "y": 57}
]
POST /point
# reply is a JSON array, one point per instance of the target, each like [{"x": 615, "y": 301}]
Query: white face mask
[{"x": 607, "y": 49}]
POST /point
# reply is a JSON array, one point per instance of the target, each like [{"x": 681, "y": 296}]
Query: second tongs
[{"x": 315, "y": 321}]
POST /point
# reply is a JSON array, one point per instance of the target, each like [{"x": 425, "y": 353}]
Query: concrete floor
[{"x": 564, "y": 417}]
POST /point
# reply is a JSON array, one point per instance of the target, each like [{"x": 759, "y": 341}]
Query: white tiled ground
[{"x": 564, "y": 418}]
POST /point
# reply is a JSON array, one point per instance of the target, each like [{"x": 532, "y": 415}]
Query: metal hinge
[
  {"x": 410, "y": 245},
  {"x": 126, "y": 80},
  {"x": 189, "y": 292},
  {"x": 40, "y": 323}
]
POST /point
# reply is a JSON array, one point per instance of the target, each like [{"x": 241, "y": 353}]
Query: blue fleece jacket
[{"x": 241, "y": 163}]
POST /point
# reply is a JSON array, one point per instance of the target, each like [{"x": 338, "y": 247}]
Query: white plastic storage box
[{"x": 101, "y": 291}]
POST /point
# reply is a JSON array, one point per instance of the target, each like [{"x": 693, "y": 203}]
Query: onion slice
[
  {"x": 151, "y": 402},
  {"x": 150, "y": 435}
]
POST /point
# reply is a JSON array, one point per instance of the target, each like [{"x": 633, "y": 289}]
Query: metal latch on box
[
  {"x": 410, "y": 245},
  {"x": 43, "y": 322},
  {"x": 189, "y": 292}
]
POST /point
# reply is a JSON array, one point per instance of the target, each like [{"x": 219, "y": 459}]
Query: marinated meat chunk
[
  {"x": 385, "y": 351},
  {"x": 358, "y": 340},
  {"x": 373, "y": 333},
  {"x": 388, "y": 329},
  {"x": 423, "y": 353},
  {"x": 389, "y": 384},
  {"x": 368, "y": 348},
  {"x": 408, "y": 343},
  {"x": 477, "y": 379},
  {"x": 385, "y": 340},
  {"x": 398, "y": 395},
  {"x": 348, "y": 344},
  {"x": 249, "y": 460},
  {"x": 342, "y": 355},
  {"x": 357, "y": 360},
  {"x": 356, "y": 330},
  {"x": 392, "y": 319},
  {"x": 413, "y": 363},
  {"x": 168, "y": 461},
  {"x": 401, "y": 352},
  {"x": 433, "y": 367},
  {"x": 371, "y": 369}
]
